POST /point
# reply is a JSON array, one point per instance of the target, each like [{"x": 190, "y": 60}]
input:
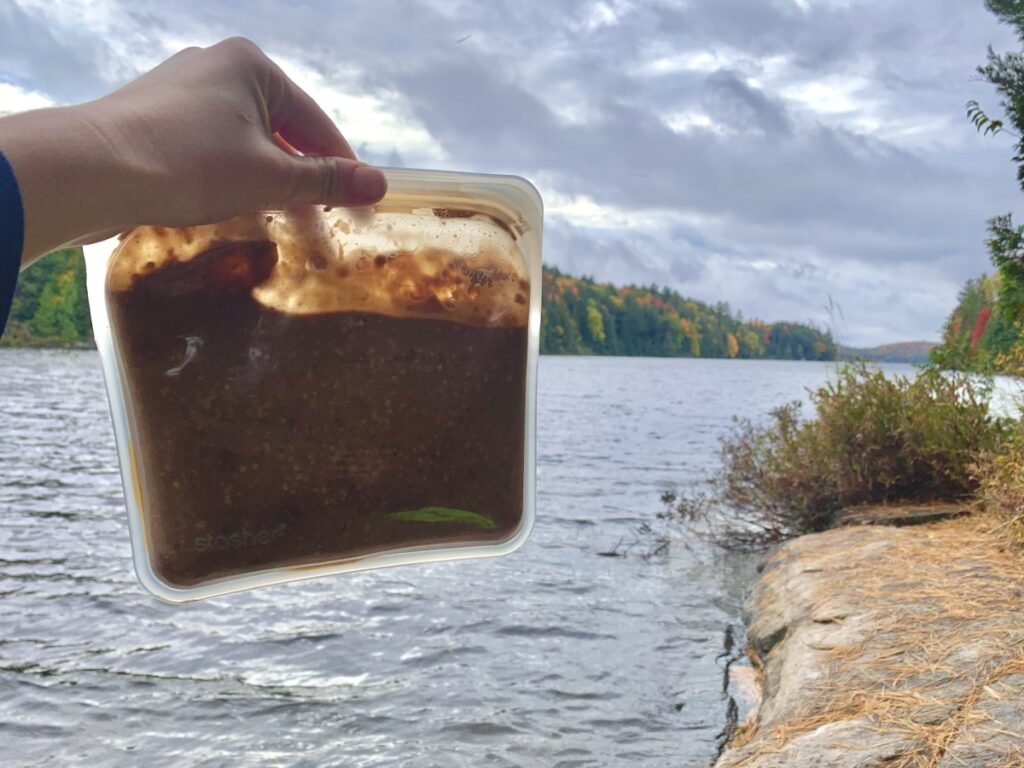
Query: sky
[{"x": 804, "y": 160}]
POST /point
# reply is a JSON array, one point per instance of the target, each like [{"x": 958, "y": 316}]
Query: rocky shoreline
[{"x": 886, "y": 646}]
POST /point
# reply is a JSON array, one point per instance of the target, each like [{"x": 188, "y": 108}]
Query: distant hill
[
  {"x": 581, "y": 317},
  {"x": 901, "y": 352}
]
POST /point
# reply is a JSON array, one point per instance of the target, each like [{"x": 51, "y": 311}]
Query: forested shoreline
[
  {"x": 581, "y": 317},
  {"x": 51, "y": 307}
]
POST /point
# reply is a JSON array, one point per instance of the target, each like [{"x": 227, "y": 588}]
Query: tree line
[
  {"x": 50, "y": 306},
  {"x": 580, "y": 316}
]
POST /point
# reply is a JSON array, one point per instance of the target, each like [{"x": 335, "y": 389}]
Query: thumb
[{"x": 296, "y": 180}]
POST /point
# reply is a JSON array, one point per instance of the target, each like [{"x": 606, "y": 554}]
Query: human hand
[{"x": 208, "y": 134}]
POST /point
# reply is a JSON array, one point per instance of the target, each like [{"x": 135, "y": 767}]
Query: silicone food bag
[{"x": 326, "y": 390}]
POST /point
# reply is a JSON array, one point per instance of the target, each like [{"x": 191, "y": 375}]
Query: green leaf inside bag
[{"x": 445, "y": 515}]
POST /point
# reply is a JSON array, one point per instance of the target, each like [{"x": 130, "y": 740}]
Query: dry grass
[{"x": 945, "y": 626}]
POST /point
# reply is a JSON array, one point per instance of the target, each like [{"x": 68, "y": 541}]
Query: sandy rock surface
[{"x": 882, "y": 646}]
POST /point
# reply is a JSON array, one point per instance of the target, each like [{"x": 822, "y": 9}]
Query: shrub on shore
[
  {"x": 1001, "y": 489},
  {"x": 873, "y": 440}
]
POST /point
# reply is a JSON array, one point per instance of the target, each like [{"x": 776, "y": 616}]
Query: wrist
[{"x": 72, "y": 178}]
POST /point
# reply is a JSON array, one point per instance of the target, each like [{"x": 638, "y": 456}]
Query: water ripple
[{"x": 554, "y": 656}]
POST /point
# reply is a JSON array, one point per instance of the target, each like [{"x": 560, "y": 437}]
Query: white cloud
[
  {"x": 694, "y": 120},
  {"x": 833, "y": 95},
  {"x": 693, "y": 61},
  {"x": 130, "y": 49},
  {"x": 765, "y": 153},
  {"x": 14, "y": 98},
  {"x": 807, "y": 5},
  {"x": 583, "y": 211},
  {"x": 601, "y": 15},
  {"x": 604, "y": 14},
  {"x": 380, "y": 121}
]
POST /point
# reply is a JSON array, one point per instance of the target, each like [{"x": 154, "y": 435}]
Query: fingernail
[{"x": 368, "y": 183}]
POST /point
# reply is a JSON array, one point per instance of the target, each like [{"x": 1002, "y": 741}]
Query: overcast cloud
[{"x": 768, "y": 153}]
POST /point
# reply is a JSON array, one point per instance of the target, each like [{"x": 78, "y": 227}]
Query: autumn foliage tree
[{"x": 986, "y": 330}]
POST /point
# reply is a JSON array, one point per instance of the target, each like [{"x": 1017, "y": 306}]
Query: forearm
[
  {"x": 190, "y": 142},
  {"x": 72, "y": 179}
]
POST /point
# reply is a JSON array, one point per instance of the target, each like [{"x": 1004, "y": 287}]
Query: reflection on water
[{"x": 554, "y": 656}]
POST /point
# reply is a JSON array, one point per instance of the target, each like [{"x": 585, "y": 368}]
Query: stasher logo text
[{"x": 245, "y": 538}]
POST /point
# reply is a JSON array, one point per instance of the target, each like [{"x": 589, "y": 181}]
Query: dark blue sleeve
[{"x": 12, "y": 234}]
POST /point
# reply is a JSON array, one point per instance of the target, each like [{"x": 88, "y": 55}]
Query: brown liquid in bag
[{"x": 267, "y": 439}]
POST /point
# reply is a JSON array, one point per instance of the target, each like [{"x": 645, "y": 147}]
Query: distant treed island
[
  {"x": 581, "y": 317},
  {"x": 914, "y": 352}
]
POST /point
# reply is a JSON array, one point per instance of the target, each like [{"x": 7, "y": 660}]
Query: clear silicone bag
[{"x": 322, "y": 391}]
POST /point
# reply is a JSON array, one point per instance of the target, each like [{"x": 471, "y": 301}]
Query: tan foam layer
[{"x": 427, "y": 263}]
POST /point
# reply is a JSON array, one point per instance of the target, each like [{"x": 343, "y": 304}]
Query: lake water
[{"x": 554, "y": 656}]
